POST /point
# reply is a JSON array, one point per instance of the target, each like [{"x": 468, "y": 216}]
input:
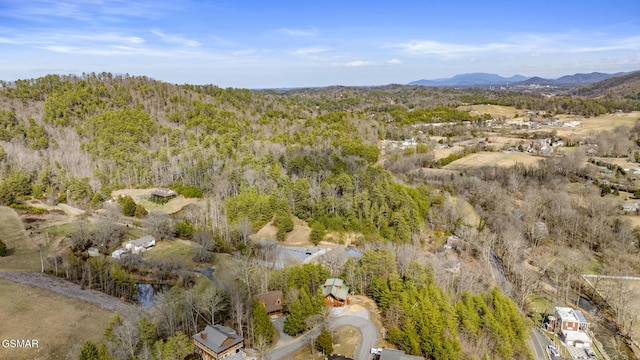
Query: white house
[
  {"x": 116, "y": 254},
  {"x": 140, "y": 245}
]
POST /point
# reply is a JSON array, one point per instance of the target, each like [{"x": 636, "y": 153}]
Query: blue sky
[{"x": 261, "y": 44}]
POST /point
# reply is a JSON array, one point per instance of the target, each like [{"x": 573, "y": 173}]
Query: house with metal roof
[
  {"x": 217, "y": 342},
  {"x": 335, "y": 292},
  {"x": 139, "y": 245}
]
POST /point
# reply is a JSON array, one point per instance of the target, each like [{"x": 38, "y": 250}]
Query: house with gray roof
[
  {"x": 139, "y": 245},
  {"x": 218, "y": 342},
  {"x": 335, "y": 292}
]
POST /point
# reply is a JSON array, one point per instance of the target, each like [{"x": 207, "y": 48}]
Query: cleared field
[
  {"x": 11, "y": 229},
  {"x": 485, "y": 159},
  {"x": 495, "y": 110},
  {"x": 26, "y": 314},
  {"x": 173, "y": 206},
  {"x": 597, "y": 124},
  {"x": 174, "y": 251},
  {"x": 23, "y": 253}
]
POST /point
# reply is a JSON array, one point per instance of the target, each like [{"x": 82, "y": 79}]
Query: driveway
[{"x": 340, "y": 317}]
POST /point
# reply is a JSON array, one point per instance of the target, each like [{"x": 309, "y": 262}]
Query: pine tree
[
  {"x": 294, "y": 323},
  {"x": 324, "y": 342},
  {"x": 262, "y": 325},
  {"x": 89, "y": 351}
]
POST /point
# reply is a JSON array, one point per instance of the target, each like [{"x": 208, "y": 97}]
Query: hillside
[
  {"x": 393, "y": 171},
  {"x": 625, "y": 86}
]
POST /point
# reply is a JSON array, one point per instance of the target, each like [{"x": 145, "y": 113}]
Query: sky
[{"x": 281, "y": 44}]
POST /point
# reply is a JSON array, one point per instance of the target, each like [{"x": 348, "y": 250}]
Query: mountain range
[{"x": 484, "y": 79}]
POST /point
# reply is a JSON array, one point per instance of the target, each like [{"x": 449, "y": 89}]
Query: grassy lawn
[
  {"x": 346, "y": 340},
  {"x": 173, "y": 251},
  {"x": 26, "y": 313}
]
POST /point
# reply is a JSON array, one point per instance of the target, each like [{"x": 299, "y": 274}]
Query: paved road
[
  {"x": 538, "y": 343},
  {"x": 367, "y": 330},
  {"x": 341, "y": 317}
]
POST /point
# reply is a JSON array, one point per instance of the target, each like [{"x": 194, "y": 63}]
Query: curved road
[{"x": 342, "y": 317}]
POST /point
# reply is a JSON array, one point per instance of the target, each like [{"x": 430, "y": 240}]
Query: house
[
  {"x": 392, "y": 354},
  {"x": 118, "y": 253},
  {"x": 140, "y": 245},
  {"x": 629, "y": 207},
  {"x": 573, "y": 327},
  {"x": 453, "y": 242},
  {"x": 335, "y": 292},
  {"x": 272, "y": 302},
  {"x": 164, "y": 193},
  {"x": 93, "y": 252},
  {"x": 218, "y": 342}
]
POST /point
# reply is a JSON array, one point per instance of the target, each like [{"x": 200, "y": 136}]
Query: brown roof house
[
  {"x": 335, "y": 292},
  {"x": 218, "y": 342},
  {"x": 164, "y": 193},
  {"x": 272, "y": 301}
]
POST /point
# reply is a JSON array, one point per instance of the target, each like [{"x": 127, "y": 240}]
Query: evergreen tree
[
  {"x": 128, "y": 206},
  {"x": 262, "y": 325},
  {"x": 324, "y": 342},
  {"x": 89, "y": 351},
  {"x": 294, "y": 323}
]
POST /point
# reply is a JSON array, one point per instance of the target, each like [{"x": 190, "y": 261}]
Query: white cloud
[
  {"x": 536, "y": 44},
  {"x": 308, "y": 51},
  {"x": 358, "y": 63},
  {"x": 394, "y": 61},
  {"x": 298, "y": 32},
  {"x": 175, "y": 39}
]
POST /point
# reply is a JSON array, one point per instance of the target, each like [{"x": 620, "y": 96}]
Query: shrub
[{"x": 3, "y": 249}]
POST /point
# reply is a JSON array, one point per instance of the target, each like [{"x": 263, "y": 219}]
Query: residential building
[
  {"x": 272, "y": 302},
  {"x": 164, "y": 193},
  {"x": 140, "y": 245},
  {"x": 573, "y": 327},
  {"x": 218, "y": 342},
  {"x": 335, "y": 292}
]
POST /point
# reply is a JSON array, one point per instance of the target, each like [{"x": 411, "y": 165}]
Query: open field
[
  {"x": 494, "y": 110},
  {"x": 26, "y": 313},
  {"x": 485, "y": 159},
  {"x": 23, "y": 252},
  {"x": 596, "y": 124}
]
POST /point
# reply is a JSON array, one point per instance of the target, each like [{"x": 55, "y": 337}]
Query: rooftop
[
  {"x": 569, "y": 314},
  {"x": 335, "y": 287},
  {"x": 272, "y": 300},
  {"x": 162, "y": 192},
  {"x": 143, "y": 240},
  {"x": 217, "y": 338}
]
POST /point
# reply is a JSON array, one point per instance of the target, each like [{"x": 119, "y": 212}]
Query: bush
[
  {"x": 184, "y": 229},
  {"x": 3, "y": 249},
  {"x": 317, "y": 232}
]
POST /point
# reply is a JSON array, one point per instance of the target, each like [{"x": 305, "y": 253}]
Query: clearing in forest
[
  {"x": 140, "y": 196},
  {"x": 487, "y": 159}
]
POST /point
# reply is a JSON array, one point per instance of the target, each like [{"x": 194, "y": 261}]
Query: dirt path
[{"x": 65, "y": 288}]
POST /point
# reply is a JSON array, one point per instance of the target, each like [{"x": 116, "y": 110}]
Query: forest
[{"x": 258, "y": 157}]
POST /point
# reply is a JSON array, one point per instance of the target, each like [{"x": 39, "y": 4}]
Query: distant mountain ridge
[
  {"x": 485, "y": 79},
  {"x": 470, "y": 80}
]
